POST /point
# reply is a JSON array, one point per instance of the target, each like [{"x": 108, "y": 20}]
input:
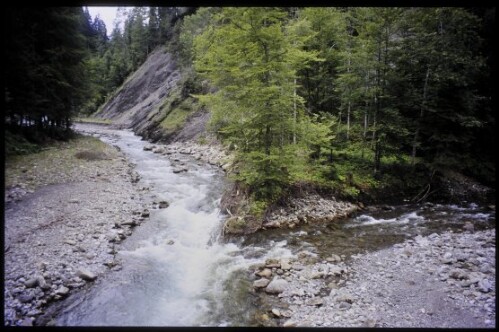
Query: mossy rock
[{"x": 234, "y": 225}]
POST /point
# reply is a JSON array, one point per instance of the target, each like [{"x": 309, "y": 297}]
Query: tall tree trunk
[
  {"x": 348, "y": 120},
  {"x": 294, "y": 112},
  {"x": 421, "y": 114}
]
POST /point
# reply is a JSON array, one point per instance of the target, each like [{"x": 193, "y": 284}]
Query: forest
[{"x": 349, "y": 99}]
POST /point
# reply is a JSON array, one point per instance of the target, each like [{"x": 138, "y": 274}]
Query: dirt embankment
[{"x": 67, "y": 208}]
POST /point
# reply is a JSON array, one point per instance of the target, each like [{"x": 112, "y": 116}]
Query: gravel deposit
[
  {"x": 438, "y": 281},
  {"x": 60, "y": 237}
]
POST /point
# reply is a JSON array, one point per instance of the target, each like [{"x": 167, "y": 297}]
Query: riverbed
[{"x": 176, "y": 269}]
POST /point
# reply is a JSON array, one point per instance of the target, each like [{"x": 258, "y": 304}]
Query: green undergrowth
[
  {"x": 93, "y": 120},
  {"x": 176, "y": 113},
  {"x": 17, "y": 144}
]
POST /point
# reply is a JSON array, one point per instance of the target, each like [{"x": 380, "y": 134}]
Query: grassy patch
[
  {"x": 91, "y": 155},
  {"x": 177, "y": 116},
  {"x": 57, "y": 162},
  {"x": 93, "y": 120}
]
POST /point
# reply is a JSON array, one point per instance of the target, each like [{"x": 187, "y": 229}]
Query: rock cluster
[
  {"x": 312, "y": 208},
  {"x": 212, "y": 154},
  {"x": 445, "y": 280}
]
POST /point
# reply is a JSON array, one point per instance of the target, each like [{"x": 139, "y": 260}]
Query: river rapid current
[{"x": 178, "y": 270}]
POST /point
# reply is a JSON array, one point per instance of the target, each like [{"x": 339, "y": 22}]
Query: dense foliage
[
  {"x": 44, "y": 73},
  {"x": 348, "y": 97}
]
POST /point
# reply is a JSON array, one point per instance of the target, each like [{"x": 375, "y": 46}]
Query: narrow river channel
[{"x": 177, "y": 269}]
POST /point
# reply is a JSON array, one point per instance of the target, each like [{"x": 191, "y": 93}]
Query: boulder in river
[
  {"x": 265, "y": 273},
  {"x": 272, "y": 262},
  {"x": 285, "y": 265},
  {"x": 277, "y": 286},
  {"x": 261, "y": 283}
]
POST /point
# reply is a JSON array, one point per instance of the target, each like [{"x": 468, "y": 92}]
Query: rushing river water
[{"x": 177, "y": 271}]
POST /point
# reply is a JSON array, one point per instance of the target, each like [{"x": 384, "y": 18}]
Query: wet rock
[
  {"x": 297, "y": 267},
  {"x": 145, "y": 213},
  {"x": 335, "y": 270},
  {"x": 261, "y": 283},
  {"x": 276, "y": 286},
  {"x": 163, "y": 204},
  {"x": 128, "y": 223},
  {"x": 148, "y": 147},
  {"x": 272, "y": 262},
  {"x": 276, "y": 312},
  {"x": 159, "y": 150},
  {"x": 86, "y": 274},
  {"x": 334, "y": 259},
  {"x": 265, "y": 273},
  {"x": 285, "y": 265}
]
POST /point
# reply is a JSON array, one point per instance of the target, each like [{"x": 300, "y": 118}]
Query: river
[{"x": 179, "y": 271}]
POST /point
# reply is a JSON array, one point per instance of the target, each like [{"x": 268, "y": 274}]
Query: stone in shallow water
[
  {"x": 285, "y": 265},
  {"x": 265, "y": 273},
  {"x": 261, "y": 283},
  {"x": 334, "y": 258}
]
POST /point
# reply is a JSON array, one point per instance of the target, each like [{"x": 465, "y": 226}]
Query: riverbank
[
  {"x": 436, "y": 281},
  {"x": 67, "y": 209}
]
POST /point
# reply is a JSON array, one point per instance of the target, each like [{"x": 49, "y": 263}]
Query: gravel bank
[
  {"x": 444, "y": 281},
  {"x": 63, "y": 231}
]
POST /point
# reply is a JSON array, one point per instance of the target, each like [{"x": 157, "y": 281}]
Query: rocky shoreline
[
  {"x": 299, "y": 210},
  {"x": 60, "y": 237},
  {"x": 443, "y": 281},
  {"x": 312, "y": 208}
]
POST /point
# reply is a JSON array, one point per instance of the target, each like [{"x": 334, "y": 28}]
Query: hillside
[{"x": 153, "y": 102}]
